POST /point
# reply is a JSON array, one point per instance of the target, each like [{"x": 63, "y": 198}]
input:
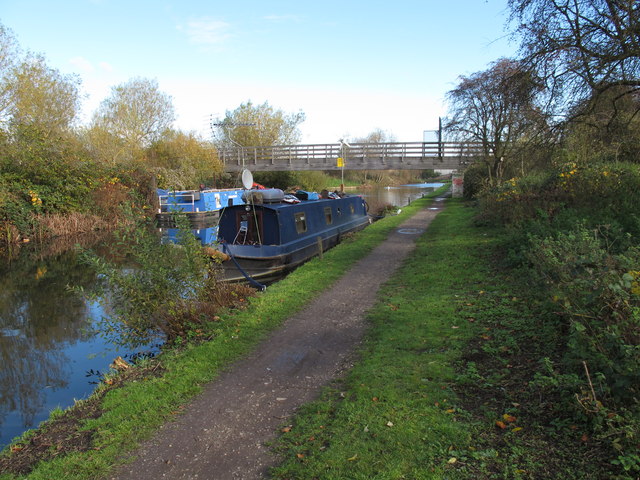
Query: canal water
[
  {"x": 50, "y": 345},
  {"x": 398, "y": 196}
]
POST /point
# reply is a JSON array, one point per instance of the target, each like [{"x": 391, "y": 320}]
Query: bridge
[{"x": 355, "y": 156}]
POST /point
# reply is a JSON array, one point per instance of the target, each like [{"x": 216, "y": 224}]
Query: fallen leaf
[
  {"x": 509, "y": 418},
  {"x": 451, "y": 410},
  {"x": 501, "y": 425},
  {"x": 286, "y": 429},
  {"x": 374, "y": 399},
  {"x": 389, "y": 424},
  {"x": 584, "y": 438},
  {"x": 452, "y": 460},
  {"x": 516, "y": 429},
  {"x": 352, "y": 458},
  {"x": 300, "y": 455}
]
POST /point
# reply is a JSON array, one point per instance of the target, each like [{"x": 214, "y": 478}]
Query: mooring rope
[{"x": 251, "y": 280}]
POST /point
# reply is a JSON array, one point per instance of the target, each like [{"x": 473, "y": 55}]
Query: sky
[{"x": 350, "y": 66}]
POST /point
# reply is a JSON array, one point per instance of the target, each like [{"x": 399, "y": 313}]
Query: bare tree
[
  {"x": 582, "y": 48},
  {"x": 497, "y": 108}
]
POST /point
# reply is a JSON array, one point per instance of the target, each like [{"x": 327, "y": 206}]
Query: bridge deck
[{"x": 357, "y": 156}]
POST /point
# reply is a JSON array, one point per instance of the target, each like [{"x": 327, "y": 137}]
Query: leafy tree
[
  {"x": 8, "y": 58},
  {"x": 107, "y": 148},
  {"x": 364, "y": 176},
  {"x": 376, "y": 136},
  {"x": 252, "y": 125},
  {"x": 137, "y": 113},
  {"x": 42, "y": 98},
  {"x": 183, "y": 160},
  {"x": 497, "y": 108}
]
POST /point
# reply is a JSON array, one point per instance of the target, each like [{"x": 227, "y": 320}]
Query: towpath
[{"x": 222, "y": 434}]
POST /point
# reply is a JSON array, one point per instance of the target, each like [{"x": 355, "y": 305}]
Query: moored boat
[
  {"x": 266, "y": 240},
  {"x": 199, "y": 206}
]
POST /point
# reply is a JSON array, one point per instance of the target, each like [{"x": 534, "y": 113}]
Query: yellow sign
[{"x": 340, "y": 162}]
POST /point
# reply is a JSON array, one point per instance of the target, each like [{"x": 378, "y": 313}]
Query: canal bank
[
  {"x": 134, "y": 411},
  {"x": 224, "y": 432},
  {"x": 51, "y": 339}
]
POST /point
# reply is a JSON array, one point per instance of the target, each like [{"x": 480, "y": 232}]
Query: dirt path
[{"x": 222, "y": 433}]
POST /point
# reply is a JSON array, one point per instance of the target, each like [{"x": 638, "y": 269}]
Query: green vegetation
[
  {"x": 461, "y": 376},
  {"x": 130, "y": 414},
  {"x": 395, "y": 414},
  {"x": 505, "y": 348},
  {"x": 574, "y": 234}
]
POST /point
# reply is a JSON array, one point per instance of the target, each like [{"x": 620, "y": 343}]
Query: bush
[
  {"x": 576, "y": 231},
  {"x": 474, "y": 180},
  {"x": 146, "y": 298}
]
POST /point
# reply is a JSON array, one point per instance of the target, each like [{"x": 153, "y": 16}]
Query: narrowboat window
[
  {"x": 339, "y": 211},
  {"x": 328, "y": 215},
  {"x": 301, "y": 222}
]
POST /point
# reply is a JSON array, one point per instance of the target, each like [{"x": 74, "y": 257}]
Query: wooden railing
[{"x": 356, "y": 156}]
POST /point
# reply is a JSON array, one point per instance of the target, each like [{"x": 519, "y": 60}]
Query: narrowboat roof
[{"x": 285, "y": 205}]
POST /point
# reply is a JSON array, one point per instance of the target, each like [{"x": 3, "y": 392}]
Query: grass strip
[
  {"x": 395, "y": 415},
  {"x": 132, "y": 413},
  {"x": 450, "y": 382}
]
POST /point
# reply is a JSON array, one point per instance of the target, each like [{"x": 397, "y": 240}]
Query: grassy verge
[
  {"x": 130, "y": 414},
  {"x": 395, "y": 415},
  {"x": 446, "y": 382}
]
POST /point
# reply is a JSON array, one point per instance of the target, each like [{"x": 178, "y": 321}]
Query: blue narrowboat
[
  {"x": 266, "y": 240},
  {"x": 199, "y": 206}
]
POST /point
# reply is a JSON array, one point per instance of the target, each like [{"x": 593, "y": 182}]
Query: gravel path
[{"x": 222, "y": 433}]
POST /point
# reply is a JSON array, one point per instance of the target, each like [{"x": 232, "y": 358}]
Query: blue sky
[{"x": 350, "y": 66}]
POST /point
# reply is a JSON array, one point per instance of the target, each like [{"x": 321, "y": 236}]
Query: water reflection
[
  {"x": 206, "y": 233},
  {"x": 47, "y": 339},
  {"x": 398, "y": 196}
]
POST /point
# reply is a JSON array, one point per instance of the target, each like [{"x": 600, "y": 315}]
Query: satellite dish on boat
[{"x": 247, "y": 179}]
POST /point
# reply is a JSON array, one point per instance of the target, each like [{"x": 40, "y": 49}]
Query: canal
[
  {"x": 50, "y": 347},
  {"x": 398, "y": 196},
  {"x": 50, "y": 343}
]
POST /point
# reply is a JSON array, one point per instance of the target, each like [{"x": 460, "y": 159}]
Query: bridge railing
[{"x": 355, "y": 156}]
